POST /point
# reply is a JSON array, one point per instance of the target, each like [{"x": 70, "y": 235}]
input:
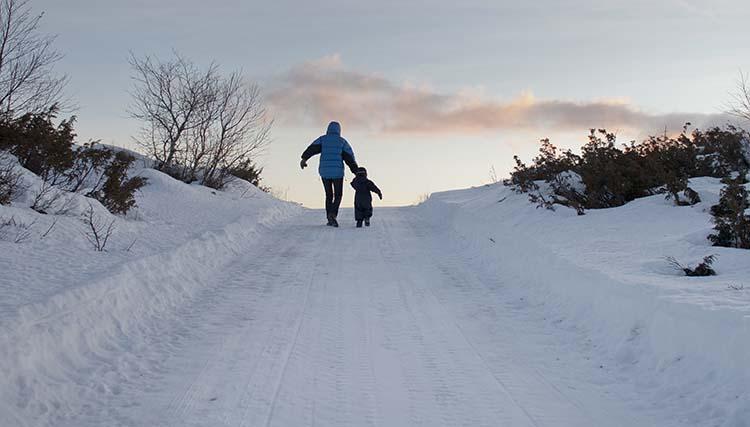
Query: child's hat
[{"x": 361, "y": 171}]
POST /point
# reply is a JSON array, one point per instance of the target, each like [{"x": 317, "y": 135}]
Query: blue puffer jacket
[{"x": 334, "y": 151}]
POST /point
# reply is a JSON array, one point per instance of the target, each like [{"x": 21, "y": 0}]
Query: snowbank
[
  {"x": 67, "y": 307},
  {"x": 685, "y": 341}
]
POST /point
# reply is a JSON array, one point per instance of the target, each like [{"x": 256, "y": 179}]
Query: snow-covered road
[{"x": 392, "y": 325}]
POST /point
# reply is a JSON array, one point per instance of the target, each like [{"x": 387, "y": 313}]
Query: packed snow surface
[{"x": 474, "y": 308}]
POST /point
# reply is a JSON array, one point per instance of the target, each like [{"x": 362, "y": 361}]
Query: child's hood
[{"x": 360, "y": 182}]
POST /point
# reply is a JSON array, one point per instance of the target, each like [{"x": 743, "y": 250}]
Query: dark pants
[
  {"x": 333, "y": 187},
  {"x": 362, "y": 209}
]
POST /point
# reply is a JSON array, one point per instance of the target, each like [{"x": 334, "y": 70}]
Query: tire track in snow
[
  {"x": 542, "y": 399},
  {"x": 247, "y": 318},
  {"x": 329, "y": 379},
  {"x": 380, "y": 326},
  {"x": 288, "y": 355},
  {"x": 232, "y": 344},
  {"x": 282, "y": 345},
  {"x": 454, "y": 409}
]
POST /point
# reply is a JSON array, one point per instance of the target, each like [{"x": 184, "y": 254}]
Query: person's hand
[
  {"x": 303, "y": 163},
  {"x": 380, "y": 195}
]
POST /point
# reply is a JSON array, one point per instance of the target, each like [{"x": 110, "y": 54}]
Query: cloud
[{"x": 323, "y": 90}]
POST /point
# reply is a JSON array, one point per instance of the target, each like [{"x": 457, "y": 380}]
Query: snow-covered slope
[
  {"x": 226, "y": 308},
  {"x": 684, "y": 340},
  {"x": 66, "y": 307}
]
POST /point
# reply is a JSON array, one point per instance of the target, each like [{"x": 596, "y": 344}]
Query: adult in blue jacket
[{"x": 334, "y": 151}]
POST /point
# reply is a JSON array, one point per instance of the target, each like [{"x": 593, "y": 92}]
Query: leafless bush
[
  {"x": 167, "y": 97},
  {"x": 739, "y": 106},
  {"x": 27, "y": 59},
  {"x": 704, "y": 268},
  {"x": 198, "y": 124},
  {"x": 15, "y": 231},
  {"x": 98, "y": 231},
  {"x": 11, "y": 182},
  {"x": 240, "y": 132},
  {"x": 49, "y": 199},
  {"x": 493, "y": 175}
]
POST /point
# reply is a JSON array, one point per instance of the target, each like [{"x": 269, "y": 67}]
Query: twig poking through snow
[
  {"x": 98, "y": 233},
  {"x": 54, "y": 222},
  {"x": 23, "y": 230}
]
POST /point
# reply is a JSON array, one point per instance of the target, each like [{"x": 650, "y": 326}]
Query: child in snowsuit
[{"x": 362, "y": 197}]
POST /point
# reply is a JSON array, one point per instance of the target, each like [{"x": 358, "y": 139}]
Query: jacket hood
[{"x": 334, "y": 128}]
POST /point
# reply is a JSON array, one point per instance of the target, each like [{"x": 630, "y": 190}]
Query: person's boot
[
  {"x": 330, "y": 221},
  {"x": 359, "y": 223},
  {"x": 367, "y": 222},
  {"x": 334, "y": 223}
]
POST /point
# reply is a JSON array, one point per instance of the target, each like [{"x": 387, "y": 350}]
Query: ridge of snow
[
  {"x": 69, "y": 305},
  {"x": 685, "y": 340}
]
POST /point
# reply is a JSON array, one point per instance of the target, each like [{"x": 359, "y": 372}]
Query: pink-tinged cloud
[{"x": 323, "y": 90}]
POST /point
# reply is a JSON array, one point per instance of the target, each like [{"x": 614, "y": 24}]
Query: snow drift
[
  {"x": 685, "y": 340},
  {"x": 67, "y": 307},
  {"x": 75, "y": 323}
]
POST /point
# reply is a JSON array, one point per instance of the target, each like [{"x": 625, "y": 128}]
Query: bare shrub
[
  {"x": 198, "y": 124},
  {"x": 167, "y": 97},
  {"x": 15, "y": 231},
  {"x": 98, "y": 231},
  {"x": 739, "y": 106},
  {"x": 48, "y": 199},
  {"x": 704, "y": 268},
  {"x": 27, "y": 80},
  {"x": 493, "y": 175}
]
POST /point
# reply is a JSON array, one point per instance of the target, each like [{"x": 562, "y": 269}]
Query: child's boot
[
  {"x": 367, "y": 222},
  {"x": 359, "y": 223}
]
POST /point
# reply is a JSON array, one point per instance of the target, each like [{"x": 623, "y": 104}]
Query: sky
[{"x": 432, "y": 95}]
